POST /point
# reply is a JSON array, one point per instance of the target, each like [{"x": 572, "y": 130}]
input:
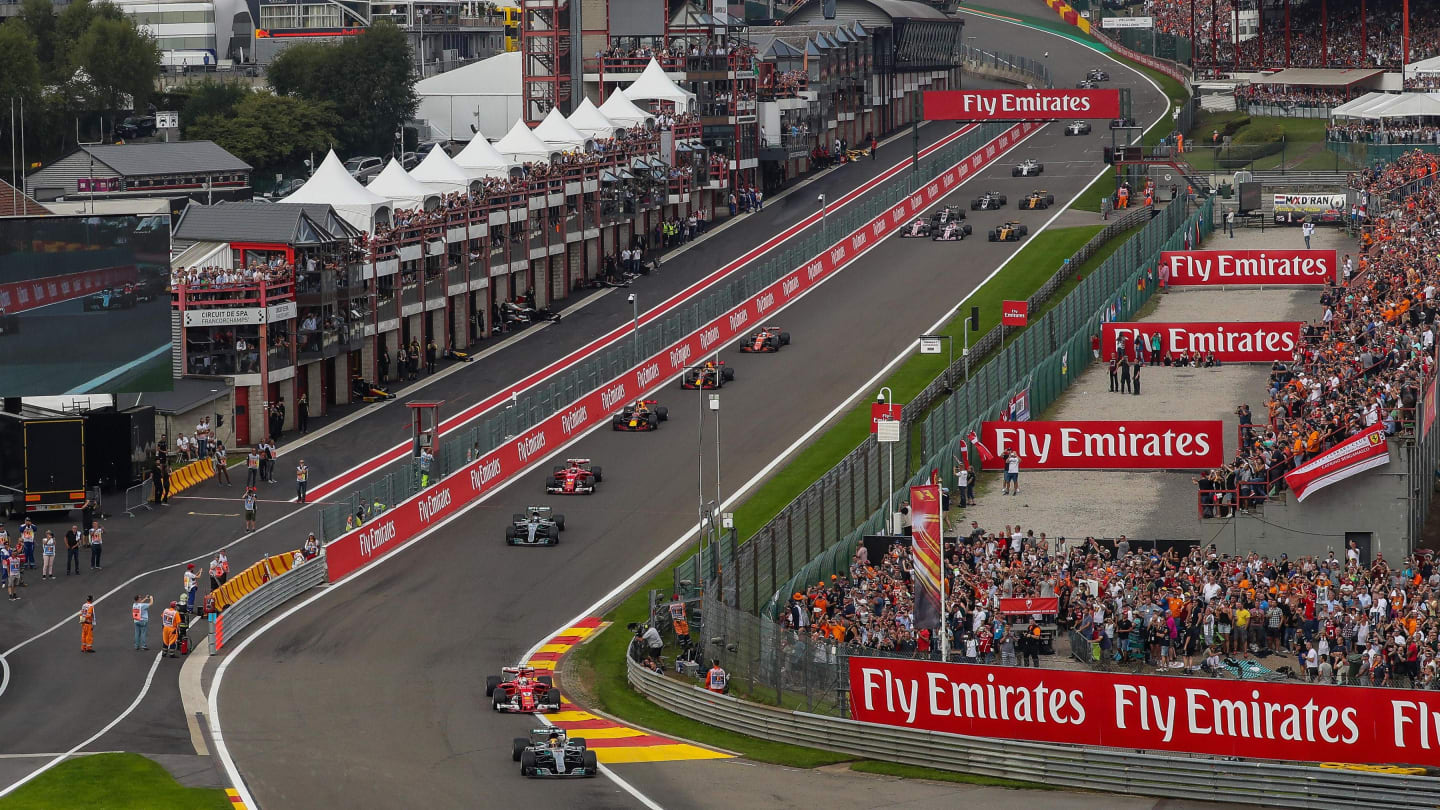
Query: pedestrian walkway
[{"x": 612, "y": 742}]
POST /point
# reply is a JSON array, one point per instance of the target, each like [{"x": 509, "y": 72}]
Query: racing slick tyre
[
  {"x": 1049, "y": 199},
  {"x": 580, "y": 741},
  {"x": 546, "y": 679},
  {"x": 518, "y": 746},
  {"x": 727, "y": 374},
  {"x": 559, "y": 522},
  {"x": 511, "y": 536},
  {"x": 992, "y": 236},
  {"x": 1003, "y": 198},
  {"x": 590, "y": 762},
  {"x": 974, "y": 205},
  {"x": 1024, "y": 230},
  {"x": 967, "y": 229},
  {"x": 1015, "y": 172},
  {"x": 517, "y": 518},
  {"x": 772, "y": 345},
  {"x": 491, "y": 681},
  {"x": 784, "y": 338},
  {"x": 599, "y": 476},
  {"x": 495, "y": 703},
  {"x": 527, "y": 763},
  {"x": 653, "y": 421},
  {"x": 662, "y": 413}
]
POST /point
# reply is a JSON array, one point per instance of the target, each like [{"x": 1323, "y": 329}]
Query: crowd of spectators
[
  {"x": 1362, "y": 131},
  {"x": 1286, "y": 95}
]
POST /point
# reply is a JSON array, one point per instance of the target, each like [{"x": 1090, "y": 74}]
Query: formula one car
[
  {"x": 574, "y": 477},
  {"x": 1029, "y": 168},
  {"x": 766, "y": 340},
  {"x": 646, "y": 414},
  {"x": 1037, "y": 200},
  {"x": 537, "y": 527},
  {"x": 1086, "y": 84},
  {"x": 1077, "y": 128},
  {"x": 713, "y": 374},
  {"x": 946, "y": 214},
  {"x": 1009, "y": 232},
  {"x": 989, "y": 201},
  {"x": 366, "y": 391},
  {"x": 1097, "y": 75},
  {"x": 551, "y": 752},
  {"x": 915, "y": 229},
  {"x": 9, "y": 324},
  {"x": 1121, "y": 123},
  {"x": 952, "y": 231},
  {"x": 112, "y": 298},
  {"x": 518, "y": 689}
]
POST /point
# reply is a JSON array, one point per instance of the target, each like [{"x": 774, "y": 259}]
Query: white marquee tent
[
  {"x": 588, "y": 120},
  {"x": 523, "y": 146},
  {"x": 480, "y": 159},
  {"x": 396, "y": 184},
  {"x": 556, "y": 132},
  {"x": 332, "y": 185},
  {"x": 1390, "y": 105},
  {"x": 483, "y": 95},
  {"x": 654, "y": 85},
  {"x": 439, "y": 172},
  {"x": 623, "y": 111}
]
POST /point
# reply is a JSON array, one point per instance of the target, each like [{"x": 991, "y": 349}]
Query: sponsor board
[
  {"x": 1127, "y": 22},
  {"x": 1014, "y": 313},
  {"x": 1124, "y": 445},
  {"x": 356, "y": 549},
  {"x": 880, "y": 410},
  {"x": 1320, "y": 208},
  {"x": 18, "y": 296},
  {"x": 1365, "y": 450},
  {"x": 1249, "y": 719},
  {"x": 1029, "y": 605},
  {"x": 1234, "y": 342},
  {"x": 1020, "y": 105},
  {"x": 1199, "y": 268}
]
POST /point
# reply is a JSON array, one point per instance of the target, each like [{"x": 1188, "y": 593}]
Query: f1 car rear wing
[{"x": 577, "y": 461}]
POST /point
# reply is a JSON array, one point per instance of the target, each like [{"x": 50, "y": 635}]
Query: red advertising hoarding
[
  {"x": 1365, "y": 450},
  {"x": 879, "y": 410},
  {"x": 1029, "y": 605},
  {"x": 1233, "y": 342},
  {"x": 1125, "y": 445},
  {"x": 1014, "y": 313},
  {"x": 384, "y": 534},
  {"x": 1020, "y": 105},
  {"x": 1249, "y": 719},
  {"x": 1201, "y": 268}
]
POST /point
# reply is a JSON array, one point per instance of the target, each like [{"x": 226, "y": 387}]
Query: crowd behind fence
[{"x": 402, "y": 479}]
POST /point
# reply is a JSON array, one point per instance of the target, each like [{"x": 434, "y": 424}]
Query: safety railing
[{"x": 264, "y": 597}]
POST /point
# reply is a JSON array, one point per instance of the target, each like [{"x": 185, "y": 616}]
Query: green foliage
[
  {"x": 210, "y": 98},
  {"x": 38, "y": 17},
  {"x": 118, "y": 60},
  {"x": 20, "y": 75},
  {"x": 113, "y": 782},
  {"x": 371, "y": 111},
  {"x": 269, "y": 131}
]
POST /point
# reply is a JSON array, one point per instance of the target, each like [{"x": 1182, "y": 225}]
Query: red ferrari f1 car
[
  {"x": 575, "y": 477},
  {"x": 768, "y": 339},
  {"x": 518, "y": 689}
]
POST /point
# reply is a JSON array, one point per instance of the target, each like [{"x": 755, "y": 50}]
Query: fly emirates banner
[
  {"x": 1128, "y": 445},
  {"x": 1210, "y": 268},
  {"x": 1279, "y": 721}
]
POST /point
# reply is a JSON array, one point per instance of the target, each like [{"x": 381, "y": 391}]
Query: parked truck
[{"x": 42, "y": 461}]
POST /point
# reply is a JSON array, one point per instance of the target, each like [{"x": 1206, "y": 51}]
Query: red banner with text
[
  {"x": 1233, "y": 342},
  {"x": 1014, "y": 313},
  {"x": 1365, "y": 450},
  {"x": 1030, "y": 605},
  {"x": 1201, "y": 268},
  {"x": 1249, "y": 719},
  {"x": 1125, "y": 445},
  {"x": 382, "y": 535},
  {"x": 1020, "y": 105},
  {"x": 880, "y": 410}
]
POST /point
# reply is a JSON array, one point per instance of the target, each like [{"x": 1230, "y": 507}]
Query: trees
[
  {"x": 20, "y": 75},
  {"x": 209, "y": 98},
  {"x": 118, "y": 61},
  {"x": 269, "y": 131},
  {"x": 371, "y": 109}
]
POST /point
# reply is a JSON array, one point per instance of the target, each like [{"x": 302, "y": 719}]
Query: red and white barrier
[
  {"x": 357, "y": 549},
  {"x": 19, "y": 296}
]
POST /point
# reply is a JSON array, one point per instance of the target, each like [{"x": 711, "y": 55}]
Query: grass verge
[
  {"x": 937, "y": 775},
  {"x": 111, "y": 782}
]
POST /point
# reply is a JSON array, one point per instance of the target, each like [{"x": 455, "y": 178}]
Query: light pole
[
  {"x": 824, "y": 225},
  {"x": 715, "y": 409},
  {"x": 887, "y": 432},
  {"x": 635, "y": 308}
]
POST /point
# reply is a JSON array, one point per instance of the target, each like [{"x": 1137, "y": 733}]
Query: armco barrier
[
  {"x": 1198, "y": 778},
  {"x": 275, "y": 592},
  {"x": 389, "y": 530},
  {"x": 236, "y": 587}
]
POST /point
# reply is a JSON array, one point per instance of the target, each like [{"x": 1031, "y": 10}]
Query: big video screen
[{"x": 84, "y": 305}]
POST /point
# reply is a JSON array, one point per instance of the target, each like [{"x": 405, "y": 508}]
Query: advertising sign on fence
[
  {"x": 397, "y": 526},
  {"x": 883, "y": 410},
  {"x": 1014, "y": 313},
  {"x": 1018, "y": 408},
  {"x": 1292, "y": 208},
  {"x": 925, "y": 544},
  {"x": 1127, "y": 22},
  {"x": 1249, "y": 719},
  {"x": 1234, "y": 342},
  {"x": 1029, "y": 605},
  {"x": 1200, "y": 268},
  {"x": 1127, "y": 445},
  {"x": 1363, "y": 451},
  {"x": 1020, "y": 105}
]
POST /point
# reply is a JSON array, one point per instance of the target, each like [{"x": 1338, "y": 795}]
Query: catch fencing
[
  {"x": 851, "y": 500},
  {"x": 401, "y": 480},
  {"x": 1172, "y": 776}
]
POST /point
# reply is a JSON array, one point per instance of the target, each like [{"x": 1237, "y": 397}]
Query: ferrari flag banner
[
  {"x": 925, "y": 545},
  {"x": 1201, "y": 268},
  {"x": 1127, "y": 445},
  {"x": 1233, "y": 342},
  {"x": 1020, "y": 105},
  {"x": 1252, "y": 719},
  {"x": 1363, "y": 451}
]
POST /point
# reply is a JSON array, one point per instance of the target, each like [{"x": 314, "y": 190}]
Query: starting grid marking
[{"x": 612, "y": 742}]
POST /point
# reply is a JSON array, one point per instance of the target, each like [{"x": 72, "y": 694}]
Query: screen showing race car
[{"x": 83, "y": 305}]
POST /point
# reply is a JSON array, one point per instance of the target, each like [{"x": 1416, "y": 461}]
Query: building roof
[
  {"x": 276, "y": 223},
  {"x": 808, "y": 12},
  {"x": 1312, "y": 77},
  {"x": 188, "y": 394},
  {"x": 14, "y": 203},
  {"x": 181, "y": 157}
]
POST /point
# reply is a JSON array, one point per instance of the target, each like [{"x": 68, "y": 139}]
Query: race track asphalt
[
  {"x": 378, "y": 686},
  {"x": 61, "y": 347},
  {"x": 75, "y": 696}
]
